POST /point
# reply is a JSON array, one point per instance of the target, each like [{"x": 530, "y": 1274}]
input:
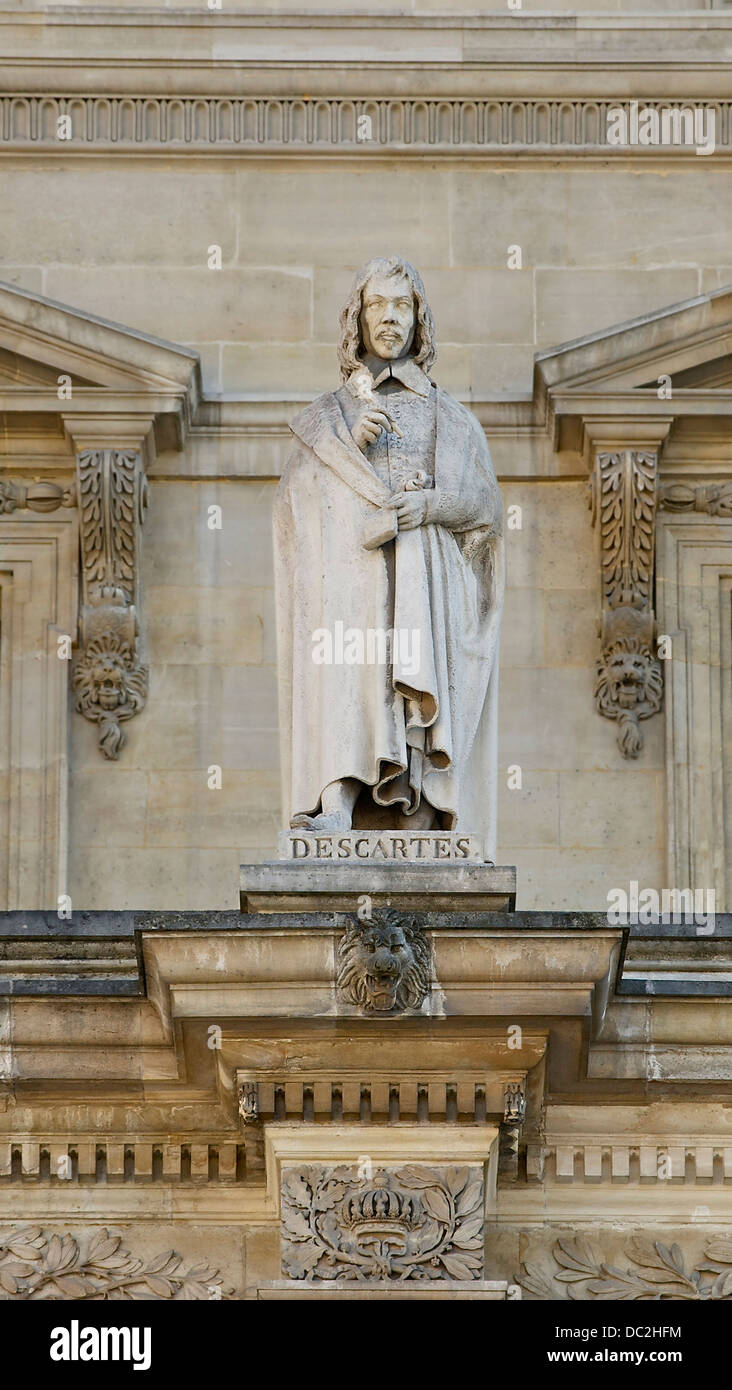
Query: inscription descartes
[{"x": 388, "y": 845}]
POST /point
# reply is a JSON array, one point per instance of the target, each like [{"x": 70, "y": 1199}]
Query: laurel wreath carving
[
  {"x": 660, "y": 1272},
  {"x": 441, "y": 1214},
  {"x": 37, "y": 1265}
]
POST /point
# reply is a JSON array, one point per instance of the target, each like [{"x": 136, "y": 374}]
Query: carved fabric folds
[{"x": 443, "y": 580}]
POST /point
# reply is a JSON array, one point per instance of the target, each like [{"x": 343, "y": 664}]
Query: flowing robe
[{"x": 405, "y": 733}]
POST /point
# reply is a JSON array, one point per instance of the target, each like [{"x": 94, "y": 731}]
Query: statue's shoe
[{"x": 332, "y": 823}]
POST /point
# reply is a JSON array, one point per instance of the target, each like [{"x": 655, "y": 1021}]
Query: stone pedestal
[
  {"x": 421, "y": 871},
  {"x": 490, "y": 1290},
  {"x": 384, "y": 1138},
  {"x": 342, "y": 886},
  {"x": 550, "y": 1086}
]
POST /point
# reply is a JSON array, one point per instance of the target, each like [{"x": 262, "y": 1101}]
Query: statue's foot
[{"x": 327, "y": 823}]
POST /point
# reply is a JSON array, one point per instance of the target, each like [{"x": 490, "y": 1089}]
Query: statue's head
[{"x": 386, "y": 314}]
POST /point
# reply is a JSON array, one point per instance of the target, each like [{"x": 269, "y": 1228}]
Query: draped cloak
[{"x": 404, "y": 733}]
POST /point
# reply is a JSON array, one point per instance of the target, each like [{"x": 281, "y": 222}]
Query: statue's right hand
[{"x": 368, "y": 428}]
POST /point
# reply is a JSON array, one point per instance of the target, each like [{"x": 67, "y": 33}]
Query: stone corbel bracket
[
  {"x": 629, "y": 677},
  {"x": 109, "y": 681},
  {"x": 514, "y": 1115}
]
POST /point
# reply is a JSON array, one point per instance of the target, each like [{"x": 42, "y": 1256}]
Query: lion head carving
[
  {"x": 384, "y": 963},
  {"x": 628, "y": 687},
  {"x": 110, "y": 687}
]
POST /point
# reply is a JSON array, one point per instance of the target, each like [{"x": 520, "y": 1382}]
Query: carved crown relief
[
  {"x": 629, "y": 680},
  {"x": 108, "y": 679},
  {"x": 408, "y": 1223}
]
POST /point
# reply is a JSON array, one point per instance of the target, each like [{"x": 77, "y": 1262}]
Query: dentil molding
[{"x": 74, "y": 123}]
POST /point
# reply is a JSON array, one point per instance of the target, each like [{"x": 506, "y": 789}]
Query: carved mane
[{"x": 414, "y": 979}]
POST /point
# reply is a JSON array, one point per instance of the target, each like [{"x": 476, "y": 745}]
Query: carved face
[
  {"x": 387, "y": 316},
  {"x": 384, "y": 965},
  {"x": 108, "y": 681},
  {"x": 385, "y": 949},
  {"x": 626, "y": 676},
  {"x": 628, "y": 679}
]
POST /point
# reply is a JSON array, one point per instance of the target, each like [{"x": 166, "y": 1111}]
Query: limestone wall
[
  {"x": 127, "y": 234},
  {"x": 266, "y": 326}
]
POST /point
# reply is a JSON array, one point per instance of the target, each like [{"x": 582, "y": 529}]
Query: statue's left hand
[{"x": 410, "y": 507}]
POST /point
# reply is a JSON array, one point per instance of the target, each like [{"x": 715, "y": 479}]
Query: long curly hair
[{"x": 350, "y": 345}]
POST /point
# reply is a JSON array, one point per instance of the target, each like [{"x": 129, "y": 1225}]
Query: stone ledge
[
  {"x": 99, "y": 953},
  {"x": 387, "y": 1144},
  {"x": 491, "y": 1290},
  {"x": 337, "y": 887}
]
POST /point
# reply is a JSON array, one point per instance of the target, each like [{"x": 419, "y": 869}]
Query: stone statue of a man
[{"x": 389, "y": 576}]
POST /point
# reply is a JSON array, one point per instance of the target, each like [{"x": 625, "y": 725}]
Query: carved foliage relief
[
  {"x": 37, "y": 1265},
  {"x": 408, "y": 1223},
  {"x": 112, "y": 498},
  {"x": 109, "y": 682},
  {"x": 650, "y": 1270},
  {"x": 629, "y": 681}
]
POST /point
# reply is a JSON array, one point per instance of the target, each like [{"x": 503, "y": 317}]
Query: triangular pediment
[
  {"x": 693, "y": 337},
  {"x": 691, "y": 340},
  {"x": 107, "y": 366},
  {"x": 16, "y": 370},
  {"x": 714, "y": 375},
  {"x": 663, "y": 368}
]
